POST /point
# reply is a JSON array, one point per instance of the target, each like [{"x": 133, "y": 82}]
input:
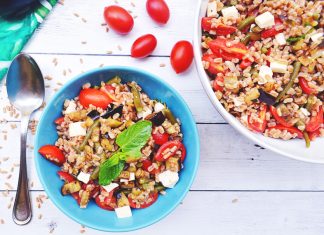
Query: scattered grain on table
[
  {"x": 133, "y": 4},
  {"x": 76, "y": 14},
  {"x": 5, "y": 159},
  {"x": 162, "y": 65},
  {"x": 9, "y": 186},
  {"x": 103, "y": 24},
  {"x": 107, "y": 29},
  {"x": 81, "y": 60},
  {"x": 60, "y": 83},
  {"x": 40, "y": 216},
  {"x": 84, "y": 20},
  {"x": 2, "y": 221},
  {"x": 33, "y": 126},
  {"x": 9, "y": 176},
  {"x": 235, "y": 200},
  {"x": 64, "y": 73},
  {"x": 47, "y": 86},
  {"x": 47, "y": 77},
  {"x": 109, "y": 52},
  {"x": 55, "y": 62},
  {"x": 70, "y": 71},
  {"x": 13, "y": 126},
  {"x": 101, "y": 65},
  {"x": 83, "y": 42},
  {"x": 116, "y": 1},
  {"x": 119, "y": 47},
  {"x": 9, "y": 206}
]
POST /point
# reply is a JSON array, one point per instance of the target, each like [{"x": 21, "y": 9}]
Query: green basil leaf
[
  {"x": 134, "y": 137},
  {"x": 134, "y": 153},
  {"x": 108, "y": 174}
]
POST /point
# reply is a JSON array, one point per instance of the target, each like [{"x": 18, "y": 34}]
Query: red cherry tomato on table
[
  {"x": 260, "y": 123},
  {"x": 58, "y": 121},
  {"x": 118, "y": 19},
  {"x": 278, "y": 118},
  {"x": 53, "y": 154},
  {"x": 315, "y": 122},
  {"x": 158, "y": 11},
  {"x": 303, "y": 83},
  {"x": 159, "y": 156},
  {"x": 146, "y": 166},
  {"x": 143, "y": 46},
  {"x": 291, "y": 130},
  {"x": 95, "y": 97},
  {"x": 160, "y": 138},
  {"x": 152, "y": 198},
  {"x": 181, "y": 56}
]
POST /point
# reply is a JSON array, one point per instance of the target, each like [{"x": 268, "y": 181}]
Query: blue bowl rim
[{"x": 194, "y": 130}]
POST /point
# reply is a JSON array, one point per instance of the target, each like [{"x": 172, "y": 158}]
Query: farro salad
[
  {"x": 265, "y": 60},
  {"x": 116, "y": 146}
]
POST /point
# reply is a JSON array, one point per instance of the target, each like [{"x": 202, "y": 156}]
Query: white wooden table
[{"x": 240, "y": 188}]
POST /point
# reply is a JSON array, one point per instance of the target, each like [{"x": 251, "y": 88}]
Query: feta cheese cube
[
  {"x": 280, "y": 37},
  {"x": 158, "y": 107},
  {"x": 123, "y": 212},
  {"x": 83, "y": 177},
  {"x": 230, "y": 12},
  {"x": 146, "y": 111},
  {"x": 316, "y": 37},
  {"x": 131, "y": 176},
  {"x": 123, "y": 181},
  {"x": 212, "y": 9},
  {"x": 77, "y": 129},
  {"x": 168, "y": 178},
  {"x": 265, "y": 74},
  {"x": 265, "y": 20},
  {"x": 71, "y": 107},
  {"x": 110, "y": 187},
  {"x": 278, "y": 67}
]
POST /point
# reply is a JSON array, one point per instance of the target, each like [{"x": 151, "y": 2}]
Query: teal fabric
[{"x": 14, "y": 34}]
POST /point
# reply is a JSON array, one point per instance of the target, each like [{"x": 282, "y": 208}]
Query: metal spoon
[{"x": 25, "y": 88}]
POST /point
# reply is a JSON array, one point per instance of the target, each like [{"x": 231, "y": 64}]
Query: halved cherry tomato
[
  {"x": 245, "y": 63},
  {"x": 216, "y": 86},
  {"x": 291, "y": 130},
  {"x": 152, "y": 198},
  {"x": 77, "y": 197},
  {"x": 109, "y": 90},
  {"x": 305, "y": 87},
  {"x": 313, "y": 135},
  {"x": 59, "y": 121},
  {"x": 214, "y": 68},
  {"x": 143, "y": 46},
  {"x": 146, "y": 166},
  {"x": 95, "y": 97},
  {"x": 260, "y": 124},
  {"x": 158, "y": 11},
  {"x": 278, "y": 118},
  {"x": 159, "y": 156},
  {"x": 53, "y": 154},
  {"x": 315, "y": 122},
  {"x": 181, "y": 56},
  {"x": 106, "y": 206},
  {"x": 118, "y": 19},
  {"x": 268, "y": 33},
  {"x": 220, "y": 29},
  {"x": 66, "y": 176},
  {"x": 227, "y": 49},
  {"x": 160, "y": 138}
]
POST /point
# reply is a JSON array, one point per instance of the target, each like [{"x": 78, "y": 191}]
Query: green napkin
[{"x": 15, "y": 33}]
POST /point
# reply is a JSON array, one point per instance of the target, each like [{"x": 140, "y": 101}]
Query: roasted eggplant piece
[
  {"x": 128, "y": 185},
  {"x": 156, "y": 118},
  {"x": 113, "y": 123},
  {"x": 122, "y": 200},
  {"x": 173, "y": 164},
  {"x": 94, "y": 115},
  {"x": 321, "y": 96},
  {"x": 266, "y": 98},
  {"x": 71, "y": 187},
  {"x": 112, "y": 111}
]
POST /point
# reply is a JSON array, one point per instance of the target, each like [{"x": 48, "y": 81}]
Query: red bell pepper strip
[
  {"x": 292, "y": 130},
  {"x": 269, "y": 33},
  {"x": 219, "y": 46},
  {"x": 305, "y": 87},
  {"x": 259, "y": 124},
  {"x": 315, "y": 122},
  {"x": 278, "y": 118},
  {"x": 214, "y": 67}
]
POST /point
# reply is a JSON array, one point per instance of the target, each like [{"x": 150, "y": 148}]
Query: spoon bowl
[{"x": 25, "y": 88}]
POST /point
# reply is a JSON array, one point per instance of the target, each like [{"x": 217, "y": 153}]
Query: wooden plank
[
  {"x": 187, "y": 84},
  {"x": 63, "y": 32},
  {"x": 243, "y": 213},
  {"x": 228, "y": 162}
]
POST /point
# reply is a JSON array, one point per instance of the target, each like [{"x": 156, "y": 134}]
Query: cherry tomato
[
  {"x": 214, "y": 67},
  {"x": 245, "y": 63},
  {"x": 95, "y": 97},
  {"x": 59, "y": 121},
  {"x": 53, "y": 154},
  {"x": 260, "y": 124},
  {"x": 315, "y": 122},
  {"x": 291, "y": 130},
  {"x": 220, "y": 29},
  {"x": 92, "y": 187},
  {"x": 313, "y": 135},
  {"x": 269, "y": 33},
  {"x": 160, "y": 138},
  {"x": 66, "y": 176},
  {"x": 305, "y": 87},
  {"x": 278, "y": 118},
  {"x": 118, "y": 19},
  {"x": 77, "y": 197},
  {"x": 158, "y": 11},
  {"x": 181, "y": 56},
  {"x": 146, "y": 166},
  {"x": 106, "y": 206},
  {"x": 152, "y": 198},
  {"x": 143, "y": 46},
  {"x": 217, "y": 80},
  {"x": 227, "y": 49},
  {"x": 159, "y": 156}
]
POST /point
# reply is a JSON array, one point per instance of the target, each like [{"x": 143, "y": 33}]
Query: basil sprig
[{"x": 130, "y": 143}]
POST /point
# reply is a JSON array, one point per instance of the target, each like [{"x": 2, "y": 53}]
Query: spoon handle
[{"x": 22, "y": 212}]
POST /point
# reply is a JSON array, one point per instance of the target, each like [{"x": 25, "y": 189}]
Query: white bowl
[{"x": 295, "y": 149}]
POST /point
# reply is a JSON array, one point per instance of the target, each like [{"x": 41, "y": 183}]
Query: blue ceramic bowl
[{"x": 93, "y": 216}]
